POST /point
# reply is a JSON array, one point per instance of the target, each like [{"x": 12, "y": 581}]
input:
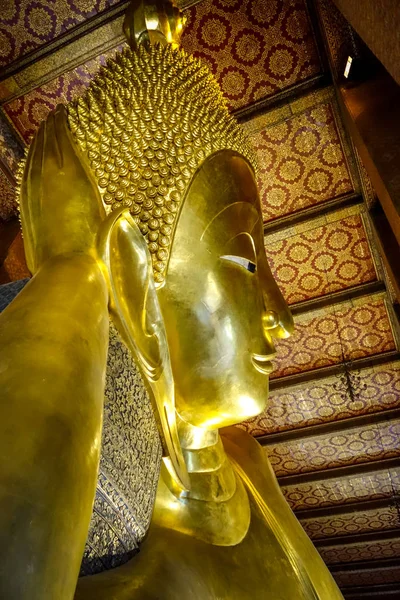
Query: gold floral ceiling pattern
[
  {"x": 353, "y": 446},
  {"x": 27, "y": 112},
  {"x": 352, "y": 522},
  {"x": 344, "y": 332},
  {"x": 302, "y": 162},
  {"x": 332, "y": 436},
  {"x": 327, "y": 400},
  {"x": 361, "y": 551},
  {"x": 376, "y": 485},
  {"x": 27, "y": 25},
  {"x": 320, "y": 257},
  {"x": 254, "y": 48}
]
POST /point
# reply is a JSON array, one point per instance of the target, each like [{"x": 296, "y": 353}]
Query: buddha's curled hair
[{"x": 146, "y": 123}]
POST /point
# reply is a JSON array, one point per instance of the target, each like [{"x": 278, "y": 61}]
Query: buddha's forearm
[{"x": 53, "y": 348}]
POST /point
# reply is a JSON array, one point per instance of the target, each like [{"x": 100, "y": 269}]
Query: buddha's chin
[{"x": 223, "y": 414}]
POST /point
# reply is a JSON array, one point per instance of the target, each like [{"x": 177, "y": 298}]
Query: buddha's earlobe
[{"x": 136, "y": 312}]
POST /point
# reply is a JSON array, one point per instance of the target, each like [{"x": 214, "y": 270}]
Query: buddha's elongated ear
[{"x": 136, "y": 312}]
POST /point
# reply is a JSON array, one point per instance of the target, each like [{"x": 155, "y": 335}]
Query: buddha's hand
[{"x": 61, "y": 208}]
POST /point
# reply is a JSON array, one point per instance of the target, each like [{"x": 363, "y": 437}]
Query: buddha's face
[{"x": 221, "y": 305}]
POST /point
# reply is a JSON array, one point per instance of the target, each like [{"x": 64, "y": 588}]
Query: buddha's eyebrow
[{"x": 243, "y": 217}]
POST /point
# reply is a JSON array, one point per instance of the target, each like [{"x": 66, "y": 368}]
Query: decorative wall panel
[
  {"x": 8, "y": 206},
  {"x": 353, "y": 523},
  {"x": 351, "y": 446},
  {"x": 14, "y": 267},
  {"x": 129, "y": 465},
  {"x": 255, "y": 48},
  {"x": 10, "y": 148},
  {"x": 27, "y": 25},
  {"x": 343, "y": 490},
  {"x": 331, "y": 399},
  {"x": 361, "y": 551},
  {"x": 320, "y": 260},
  {"x": 344, "y": 332},
  {"x": 367, "y": 576},
  {"x": 302, "y": 162},
  {"x": 28, "y": 111}
]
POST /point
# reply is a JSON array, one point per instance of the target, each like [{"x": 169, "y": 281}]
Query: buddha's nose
[
  {"x": 277, "y": 319},
  {"x": 270, "y": 320}
]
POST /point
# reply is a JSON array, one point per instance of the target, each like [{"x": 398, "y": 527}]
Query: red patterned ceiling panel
[
  {"x": 28, "y": 111},
  {"x": 321, "y": 260},
  {"x": 348, "y": 331},
  {"x": 27, "y": 25},
  {"x": 352, "y": 523},
  {"x": 332, "y": 399},
  {"x": 326, "y": 451},
  {"x": 255, "y": 48},
  {"x": 361, "y": 551},
  {"x": 376, "y": 485},
  {"x": 302, "y": 162}
]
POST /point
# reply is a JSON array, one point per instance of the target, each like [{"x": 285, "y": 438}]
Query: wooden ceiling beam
[
  {"x": 323, "y": 372},
  {"x": 337, "y": 472},
  {"x": 341, "y": 509},
  {"x": 331, "y": 427},
  {"x": 365, "y": 565},
  {"x": 290, "y": 94},
  {"x": 358, "y": 538},
  {"x": 372, "y": 591},
  {"x": 85, "y": 41},
  {"x": 318, "y": 210},
  {"x": 362, "y": 289}
]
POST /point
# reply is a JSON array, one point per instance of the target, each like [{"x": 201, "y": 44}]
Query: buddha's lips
[{"x": 262, "y": 362}]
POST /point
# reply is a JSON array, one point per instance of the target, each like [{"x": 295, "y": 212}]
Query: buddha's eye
[{"x": 247, "y": 264}]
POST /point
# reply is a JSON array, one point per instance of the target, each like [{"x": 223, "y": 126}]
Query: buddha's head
[{"x": 161, "y": 142}]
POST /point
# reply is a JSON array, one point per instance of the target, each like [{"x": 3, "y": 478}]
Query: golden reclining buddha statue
[{"x": 139, "y": 202}]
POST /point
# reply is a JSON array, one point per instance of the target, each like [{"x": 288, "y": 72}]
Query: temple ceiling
[{"x": 332, "y": 425}]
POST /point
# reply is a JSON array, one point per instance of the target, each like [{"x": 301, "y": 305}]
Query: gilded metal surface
[
  {"x": 27, "y": 111},
  {"x": 129, "y": 460},
  {"x": 145, "y": 139},
  {"x": 273, "y": 560},
  {"x": 200, "y": 320},
  {"x": 159, "y": 22}
]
